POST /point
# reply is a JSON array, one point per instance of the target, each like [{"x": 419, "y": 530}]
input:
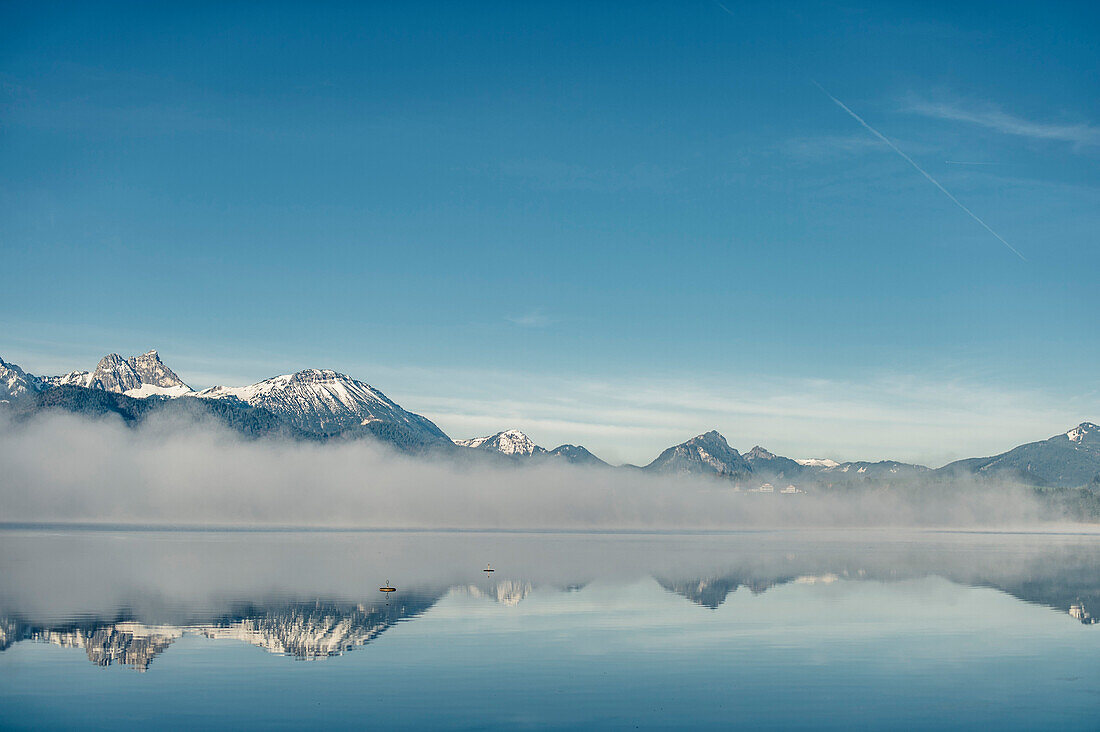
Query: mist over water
[{"x": 66, "y": 468}]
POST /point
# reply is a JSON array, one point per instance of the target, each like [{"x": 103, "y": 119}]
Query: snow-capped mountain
[
  {"x": 14, "y": 382},
  {"x": 312, "y": 402},
  {"x": 137, "y": 376},
  {"x": 516, "y": 444},
  {"x": 508, "y": 442},
  {"x": 327, "y": 402},
  {"x": 707, "y": 454},
  {"x": 817, "y": 462}
]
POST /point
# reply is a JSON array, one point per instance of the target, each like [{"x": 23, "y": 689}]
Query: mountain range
[{"x": 322, "y": 405}]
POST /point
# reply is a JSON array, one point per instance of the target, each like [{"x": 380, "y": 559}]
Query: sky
[{"x": 854, "y": 231}]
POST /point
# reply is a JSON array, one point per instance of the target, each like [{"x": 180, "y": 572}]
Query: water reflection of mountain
[
  {"x": 713, "y": 591},
  {"x": 308, "y": 630},
  {"x": 506, "y": 592},
  {"x": 1060, "y": 576},
  {"x": 1073, "y": 591},
  {"x": 302, "y": 630}
]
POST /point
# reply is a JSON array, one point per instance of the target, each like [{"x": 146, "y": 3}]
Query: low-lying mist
[{"x": 66, "y": 468}]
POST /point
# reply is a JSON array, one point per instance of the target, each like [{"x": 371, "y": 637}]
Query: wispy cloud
[
  {"x": 930, "y": 419},
  {"x": 1079, "y": 134},
  {"x": 532, "y": 319},
  {"x": 920, "y": 170}
]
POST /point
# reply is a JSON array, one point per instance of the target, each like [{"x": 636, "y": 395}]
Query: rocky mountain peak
[
  {"x": 113, "y": 373},
  {"x": 14, "y": 382},
  {"x": 759, "y": 453},
  {"x": 708, "y": 453},
  {"x": 1084, "y": 432},
  {"x": 152, "y": 371},
  {"x": 508, "y": 442}
]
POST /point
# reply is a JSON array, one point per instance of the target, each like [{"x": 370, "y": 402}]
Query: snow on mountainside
[
  {"x": 303, "y": 630},
  {"x": 14, "y": 382},
  {"x": 817, "y": 462},
  {"x": 324, "y": 401},
  {"x": 509, "y": 442},
  {"x": 1084, "y": 433},
  {"x": 73, "y": 378},
  {"x": 137, "y": 376}
]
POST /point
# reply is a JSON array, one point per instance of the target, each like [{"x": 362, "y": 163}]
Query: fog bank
[{"x": 65, "y": 468}]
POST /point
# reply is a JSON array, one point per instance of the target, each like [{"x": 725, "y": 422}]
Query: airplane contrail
[
  {"x": 728, "y": 11},
  {"x": 920, "y": 170}
]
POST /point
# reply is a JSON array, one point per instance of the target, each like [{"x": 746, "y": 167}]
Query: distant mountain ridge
[
  {"x": 309, "y": 404},
  {"x": 516, "y": 444},
  {"x": 322, "y": 404}
]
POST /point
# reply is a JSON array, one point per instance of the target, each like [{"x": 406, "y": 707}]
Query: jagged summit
[
  {"x": 508, "y": 442},
  {"x": 14, "y": 382},
  {"x": 139, "y": 376},
  {"x": 706, "y": 454}
]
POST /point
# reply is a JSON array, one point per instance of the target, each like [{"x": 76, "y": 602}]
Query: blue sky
[{"x": 615, "y": 224}]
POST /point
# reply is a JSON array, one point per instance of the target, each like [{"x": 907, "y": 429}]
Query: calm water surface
[{"x": 762, "y": 630}]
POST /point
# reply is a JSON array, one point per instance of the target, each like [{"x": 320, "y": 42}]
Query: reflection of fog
[{"x": 125, "y": 598}]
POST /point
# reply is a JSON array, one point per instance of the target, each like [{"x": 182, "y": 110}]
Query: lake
[{"x": 762, "y": 630}]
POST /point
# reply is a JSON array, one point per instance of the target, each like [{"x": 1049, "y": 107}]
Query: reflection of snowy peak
[
  {"x": 127, "y": 644},
  {"x": 316, "y": 631},
  {"x": 506, "y": 592},
  {"x": 306, "y": 630},
  {"x": 325, "y": 401},
  {"x": 509, "y": 442}
]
